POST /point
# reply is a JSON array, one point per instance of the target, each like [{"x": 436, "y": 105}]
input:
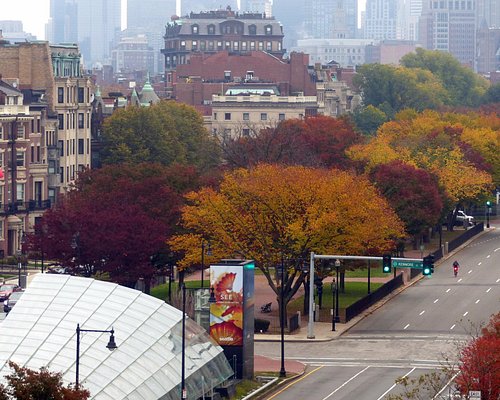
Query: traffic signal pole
[{"x": 412, "y": 263}]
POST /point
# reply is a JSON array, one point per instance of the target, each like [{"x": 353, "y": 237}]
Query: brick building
[{"x": 55, "y": 112}]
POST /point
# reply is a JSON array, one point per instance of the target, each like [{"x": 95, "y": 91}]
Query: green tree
[
  {"x": 492, "y": 95},
  {"x": 166, "y": 133},
  {"x": 464, "y": 87},
  {"x": 368, "y": 119}
]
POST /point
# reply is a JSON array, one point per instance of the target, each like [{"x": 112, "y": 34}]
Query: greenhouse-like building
[{"x": 40, "y": 331}]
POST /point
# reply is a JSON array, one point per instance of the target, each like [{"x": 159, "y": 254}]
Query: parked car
[
  {"x": 11, "y": 301},
  {"x": 57, "y": 269},
  {"x": 7, "y": 289},
  {"x": 462, "y": 216}
]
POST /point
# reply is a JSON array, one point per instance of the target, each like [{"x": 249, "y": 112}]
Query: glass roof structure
[{"x": 41, "y": 331}]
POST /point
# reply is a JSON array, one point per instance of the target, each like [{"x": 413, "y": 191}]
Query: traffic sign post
[{"x": 407, "y": 264}]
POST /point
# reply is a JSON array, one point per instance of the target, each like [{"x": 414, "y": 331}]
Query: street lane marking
[
  {"x": 467, "y": 312},
  {"x": 477, "y": 301},
  {"x": 421, "y": 312},
  {"x": 469, "y": 272},
  {"x": 496, "y": 249},
  {"x": 488, "y": 256},
  {"x": 393, "y": 386},
  {"x": 445, "y": 386},
  {"x": 479, "y": 263},
  {"x": 447, "y": 290},
  {"x": 345, "y": 383},
  {"x": 460, "y": 280},
  {"x": 498, "y": 280},
  {"x": 452, "y": 327},
  {"x": 488, "y": 290},
  {"x": 406, "y": 327},
  {"x": 293, "y": 383},
  {"x": 435, "y": 301}
]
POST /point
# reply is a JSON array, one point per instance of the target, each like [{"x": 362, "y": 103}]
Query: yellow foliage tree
[
  {"x": 270, "y": 213},
  {"x": 432, "y": 141}
]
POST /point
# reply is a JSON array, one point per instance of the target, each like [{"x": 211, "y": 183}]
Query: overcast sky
[{"x": 35, "y": 13}]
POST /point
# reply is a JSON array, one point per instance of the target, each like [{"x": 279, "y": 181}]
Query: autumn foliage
[
  {"x": 24, "y": 383},
  {"x": 479, "y": 367},
  {"x": 269, "y": 211}
]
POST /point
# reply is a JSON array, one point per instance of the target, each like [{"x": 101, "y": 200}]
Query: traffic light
[
  {"x": 386, "y": 263},
  {"x": 428, "y": 265}
]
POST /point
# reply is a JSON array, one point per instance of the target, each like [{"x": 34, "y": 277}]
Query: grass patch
[
  {"x": 363, "y": 273},
  {"x": 245, "y": 387},
  {"x": 161, "y": 291}
]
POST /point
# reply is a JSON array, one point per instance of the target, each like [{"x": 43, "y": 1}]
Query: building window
[
  {"x": 252, "y": 29},
  {"x": 210, "y": 45},
  {"x": 81, "y": 121},
  {"x": 81, "y": 145},
  {"x": 268, "y": 30},
  {"x": 203, "y": 45},
  {"x": 1, "y": 160},
  {"x": 211, "y": 29},
  {"x": 228, "y": 45},
  {"x": 183, "y": 45},
  {"x": 227, "y": 116},
  {"x": 269, "y": 46},
  {"x": 52, "y": 196},
  {"x": 246, "y": 132},
  {"x": 20, "y": 192},
  {"x": 52, "y": 166},
  {"x": 1, "y": 131},
  {"x": 215, "y": 116},
  {"x": 61, "y": 174},
  {"x": 261, "y": 46},
  {"x": 20, "y": 158},
  {"x": 281, "y": 117},
  {"x": 60, "y": 118},
  {"x": 32, "y": 154},
  {"x": 194, "y": 45},
  {"x": 263, "y": 116},
  {"x": 219, "y": 45},
  {"x": 246, "y": 116},
  {"x": 227, "y": 132},
  {"x": 60, "y": 144},
  {"x": 60, "y": 95},
  {"x": 81, "y": 95},
  {"x": 20, "y": 131},
  {"x": 195, "y": 29},
  {"x": 1, "y": 229},
  {"x": 252, "y": 46},
  {"x": 236, "y": 46},
  {"x": 243, "y": 46}
]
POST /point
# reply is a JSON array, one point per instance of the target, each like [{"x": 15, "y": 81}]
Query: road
[{"x": 409, "y": 335}]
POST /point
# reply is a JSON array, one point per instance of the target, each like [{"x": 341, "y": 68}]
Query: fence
[
  {"x": 362, "y": 304},
  {"x": 465, "y": 236}
]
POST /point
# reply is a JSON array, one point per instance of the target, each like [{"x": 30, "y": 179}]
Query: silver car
[{"x": 11, "y": 301}]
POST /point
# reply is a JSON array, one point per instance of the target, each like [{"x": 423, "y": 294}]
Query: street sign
[
  {"x": 406, "y": 264},
  {"x": 474, "y": 395}
]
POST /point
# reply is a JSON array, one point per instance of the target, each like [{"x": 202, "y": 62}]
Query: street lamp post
[
  {"x": 334, "y": 289},
  {"x": 183, "y": 350},
  {"x": 282, "y": 319},
  {"x": 110, "y": 346},
  {"x": 209, "y": 253},
  {"x": 337, "y": 317}
]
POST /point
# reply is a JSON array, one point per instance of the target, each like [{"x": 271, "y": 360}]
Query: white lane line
[
  {"x": 498, "y": 280},
  {"x": 435, "y": 301},
  {"x": 488, "y": 256},
  {"x": 479, "y": 263},
  {"x": 422, "y": 312},
  {"x": 488, "y": 290},
  {"x": 467, "y": 312},
  {"x": 406, "y": 327},
  {"x": 345, "y": 383},
  {"x": 496, "y": 249},
  {"x": 469, "y": 272},
  {"x": 452, "y": 327},
  {"x": 393, "y": 386},
  {"x": 460, "y": 280},
  {"x": 447, "y": 290},
  {"x": 477, "y": 301}
]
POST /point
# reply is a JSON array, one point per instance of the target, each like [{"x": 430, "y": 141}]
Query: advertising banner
[{"x": 226, "y": 313}]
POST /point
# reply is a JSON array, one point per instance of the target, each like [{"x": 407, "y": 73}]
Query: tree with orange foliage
[{"x": 269, "y": 213}]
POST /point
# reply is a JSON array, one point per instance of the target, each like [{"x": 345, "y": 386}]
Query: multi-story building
[
  {"x": 345, "y": 52},
  {"x": 488, "y": 50},
  {"x": 290, "y": 13},
  {"x": 488, "y": 12},
  {"x": 408, "y": 17},
  {"x": 242, "y": 110},
  {"x": 13, "y": 31},
  {"x": 389, "y": 51},
  {"x": 133, "y": 54},
  {"x": 450, "y": 26},
  {"x": 215, "y": 31},
  {"x": 330, "y": 19},
  {"x": 381, "y": 19},
  {"x": 149, "y": 17},
  {"x": 63, "y": 22},
  {"x": 54, "y": 74},
  {"x": 197, "y": 6},
  {"x": 257, "y": 6}
]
